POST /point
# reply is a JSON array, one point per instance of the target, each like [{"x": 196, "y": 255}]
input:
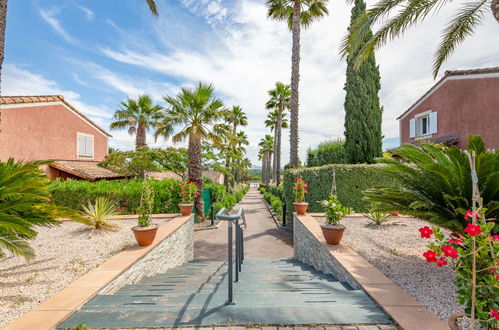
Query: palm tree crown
[
  {"x": 138, "y": 116},
  {"x": 282, "y": 10}
]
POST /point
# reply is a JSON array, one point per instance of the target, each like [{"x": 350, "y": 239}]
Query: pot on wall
[
  {"x": 145, "y": 235},
  {"x": 301, "y": 207},
  {"x": 333, "y": 233},
  {"x": 185, "y": 209},
  {"x": 395, "y": 213}
]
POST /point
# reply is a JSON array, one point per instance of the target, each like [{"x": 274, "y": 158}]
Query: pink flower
[
  {"x": 469, "y": 215},
  {"x": 495, "y": 238},
  {"x": 473, "y": 230},
  {"x": 449, "y": 251},
  {"x": 456, "y": 240},
  {"x": 495, "y": 314},
  {"x": 431, "y": 256},
  {"x": 442, "y": 262},
  {"x": 426, "y": 232}
]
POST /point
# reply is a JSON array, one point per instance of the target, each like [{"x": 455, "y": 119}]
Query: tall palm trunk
[
  {"x": 495, "y": 9},
  {"x": 226, "y": 175},
  {"x": 263, "y": 168},
  {"x": 269, "y": 166},
  {"x": 195, "y": 173},
  {"x": 274, "y": 163},
  {"x": 3, "y": 24},
  {"x": 140, "y": 139},
  {"x": 295, "y": 79},
  {"x": 277, "y": 151}
]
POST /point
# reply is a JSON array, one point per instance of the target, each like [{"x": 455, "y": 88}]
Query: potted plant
[
  {"x": 300, "y": 189},
  {"x": 335, "y": 211},
  {"x": 188, "y": 192},
  {"x": 145, "y": 231}
]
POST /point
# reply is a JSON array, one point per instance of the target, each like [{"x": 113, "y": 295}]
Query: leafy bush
[
  {"x": 124, "y": 193},
  {"x": 226, "y": 200},
  {"x": 435, "y": 183},
  {"x": 262, "y": 190},
  {"x": 275, "y": 202},
  {"x": 335, "y": 211},
  {"x": 351, "y": 181},
  {"x": 329, "y": 152}
]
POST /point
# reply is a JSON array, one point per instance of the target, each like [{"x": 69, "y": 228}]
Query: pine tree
[{"x": 363, "y": 112}]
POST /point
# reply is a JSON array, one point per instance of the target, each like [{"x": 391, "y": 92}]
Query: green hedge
[
  {"x": 228, "y": 200},
  {"x": 351, "y": 181},
  {"x": 329, "y": 152},
  {"x": 274, "y": 201},
  {"x": 126, "y": 194}
]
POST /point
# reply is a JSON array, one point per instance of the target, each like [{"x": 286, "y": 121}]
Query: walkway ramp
[{"x": 269, "y": 291}]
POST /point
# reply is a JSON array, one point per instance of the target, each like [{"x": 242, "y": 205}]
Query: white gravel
[
  {"x": 396, "y": 250},
  {"x": 63, "y": 254}
]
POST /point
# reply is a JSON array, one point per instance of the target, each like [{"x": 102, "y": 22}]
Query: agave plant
[
  {"x": 377, "y": 218},
  {"x": 24, "y": 204},
  {"x": 98, "y": 215},
  {"x": 435, "y": 183}
]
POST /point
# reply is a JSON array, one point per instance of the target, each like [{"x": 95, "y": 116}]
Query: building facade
[{"x": 463, "y": 102}]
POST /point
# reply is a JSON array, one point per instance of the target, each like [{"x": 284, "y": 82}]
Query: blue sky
[{"x": 96, "y": 53}]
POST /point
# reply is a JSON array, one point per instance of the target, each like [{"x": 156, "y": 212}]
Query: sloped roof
[
  {"x": 451, "y": 74},
  {"x": 48, "y": 98},
  {"x": 213, "y": 175},
  {"x": 86, "y": 170}
]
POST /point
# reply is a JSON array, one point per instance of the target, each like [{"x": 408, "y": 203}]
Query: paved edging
[
  {"x": 404, "y": 309},
  {"x": 55, "y": 309}
]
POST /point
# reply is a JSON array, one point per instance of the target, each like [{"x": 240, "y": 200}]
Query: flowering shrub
[
  {"x": 300, "y": 189},
  {"x": 188, "y": 191},
  {"x": 456, "y": 251},
  {"x": 335, "y": 211}
]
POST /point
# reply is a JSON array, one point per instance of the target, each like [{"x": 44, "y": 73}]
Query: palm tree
[
  {"x": 3, "y": 23},
  {"x": 196, "y": 111},
  {"x": 235, "y": 117},
  {"x": 266, "y": 149},
  {"x": 138, "y": 116},
  {"x": 462, "y": 24},
  {"x": 297, "y": 13},
  {"x": 279, "y": 100},
  {"x": 242, "y": 141},
  {"x": 272, "y": 122}
]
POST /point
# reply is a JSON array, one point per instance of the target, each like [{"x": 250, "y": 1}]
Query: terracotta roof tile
[
  {"x": 47, "y": 98},
  {"x": 471, "y": 71},
  {"x": 85, "y": 169}
]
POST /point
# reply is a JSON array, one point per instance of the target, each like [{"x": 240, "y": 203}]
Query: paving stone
[
  {"x": 333, "y": 328},
  {"x": 349, "y": 328},
  {"x": 387, "y": 327}
]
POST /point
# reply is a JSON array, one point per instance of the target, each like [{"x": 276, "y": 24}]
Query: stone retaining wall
[
  {"x": 173, "y": 251},
  {"x": 311, "y": 251}
]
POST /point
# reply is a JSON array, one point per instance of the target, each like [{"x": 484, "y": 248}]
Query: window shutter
[
  {"x": 433, "y": 123},
  {"x": 81, "y": 145},
  {"x": 89, "y": 146},
  {"x": 412, "y": 128}
]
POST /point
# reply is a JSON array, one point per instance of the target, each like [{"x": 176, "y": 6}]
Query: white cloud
[
  {"x": 49, "y": 16},
  {"x": 212, "y": 10},
  {"x": 89, "y": 14}
]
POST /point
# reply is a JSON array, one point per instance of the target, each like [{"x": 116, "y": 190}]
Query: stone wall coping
[
  {"x": 406, "y": 311},
  {"x": 135, "y": 216},
  {"x": 48, "y": 314}
]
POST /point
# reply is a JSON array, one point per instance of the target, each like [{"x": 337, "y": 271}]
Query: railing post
[
  {"x": 212, "y": 215},
  {"x": 284, "y": 213},
  {"x": 229, "y": 271},
  {"x": 237, "y": 250}
]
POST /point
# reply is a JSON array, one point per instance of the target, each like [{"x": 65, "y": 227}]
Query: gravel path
[
  {"x": 63, "y": 254},
  {"x": 396, "y": 250}
]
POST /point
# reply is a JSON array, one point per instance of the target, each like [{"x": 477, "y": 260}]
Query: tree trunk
[
  {"x": 295, "y": 79},
  {"x": 277, "y": 151},
  {"x": 495, "y": 9},
  {"x": 263, "y": 169},
  {"x": 3, "y": 25},
  {"x": 269, "y": 166},
  {"x": 195, "y": 173},
  {"x": 140, "y": 138},
  {"x": 274, "y": 162},
  {"x": 226, "y": 175}
]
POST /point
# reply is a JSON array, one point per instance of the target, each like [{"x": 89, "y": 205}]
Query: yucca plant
[
  {"x": 377, "y": 218},
  {"x": 435, "y": 183},
  {"x": 98, "y": 215},
  {"x": 24, "y": 204}
]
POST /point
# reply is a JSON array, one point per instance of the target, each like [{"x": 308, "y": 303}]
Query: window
[
  {"x": 423, "y": 124},
  {"x": 85, "y": 145}
]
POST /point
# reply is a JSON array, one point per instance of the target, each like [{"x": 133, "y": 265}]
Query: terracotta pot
[
  {"x": 185, "y": 209},
  {"x": 145, "y": 235},
  {"x": 301, "y": 208},
  {"x": 333, "y": 233},
  {"x": 395, "y": 213},
  {"x": 453, "y": 320}
]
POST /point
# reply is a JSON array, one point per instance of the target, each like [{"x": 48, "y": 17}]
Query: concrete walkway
[{"x": 261, "y": 238}]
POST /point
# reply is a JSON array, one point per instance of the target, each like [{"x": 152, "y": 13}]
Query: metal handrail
[{"x": 234, "y": 219}]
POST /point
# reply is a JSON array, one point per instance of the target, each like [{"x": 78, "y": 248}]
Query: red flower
[
  {"x": 456, "y": 240},
  {"x": 473, "y": 230},
  {"x": 442, "y": 262},
  {"x": 431, "y": 256},
  {"x": 495, "y": 238},
  {"x": 449, "y": 251},
  {"x": 469, "y": 215},
  {"x": 494, "y": 313},
  {"x": 426, "y": 232}
]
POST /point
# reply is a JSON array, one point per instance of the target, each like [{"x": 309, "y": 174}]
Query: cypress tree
[{"x": 363, "y": 112}]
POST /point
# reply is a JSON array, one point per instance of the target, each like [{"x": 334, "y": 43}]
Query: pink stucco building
[
  {"x": 49, "y": 128},
  {"x": 463, "y": 102}
]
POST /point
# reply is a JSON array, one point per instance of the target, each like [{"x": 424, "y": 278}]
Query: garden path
[{"x": 262, "y": 238}]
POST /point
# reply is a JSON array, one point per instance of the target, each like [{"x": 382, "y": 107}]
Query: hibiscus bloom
[
  {"x": 469, "y": 215},
  {"x": 431, "y": 256},
  {"x": 495, "y": 314},
  {"x": 442, "y": 262},
  {"x": 449, "y": 251},
  {"x": 473, "y": 230},
  {"x": 426, "y": 232}
]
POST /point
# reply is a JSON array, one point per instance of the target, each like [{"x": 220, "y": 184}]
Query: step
[{"x": 224, "y": 315}]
